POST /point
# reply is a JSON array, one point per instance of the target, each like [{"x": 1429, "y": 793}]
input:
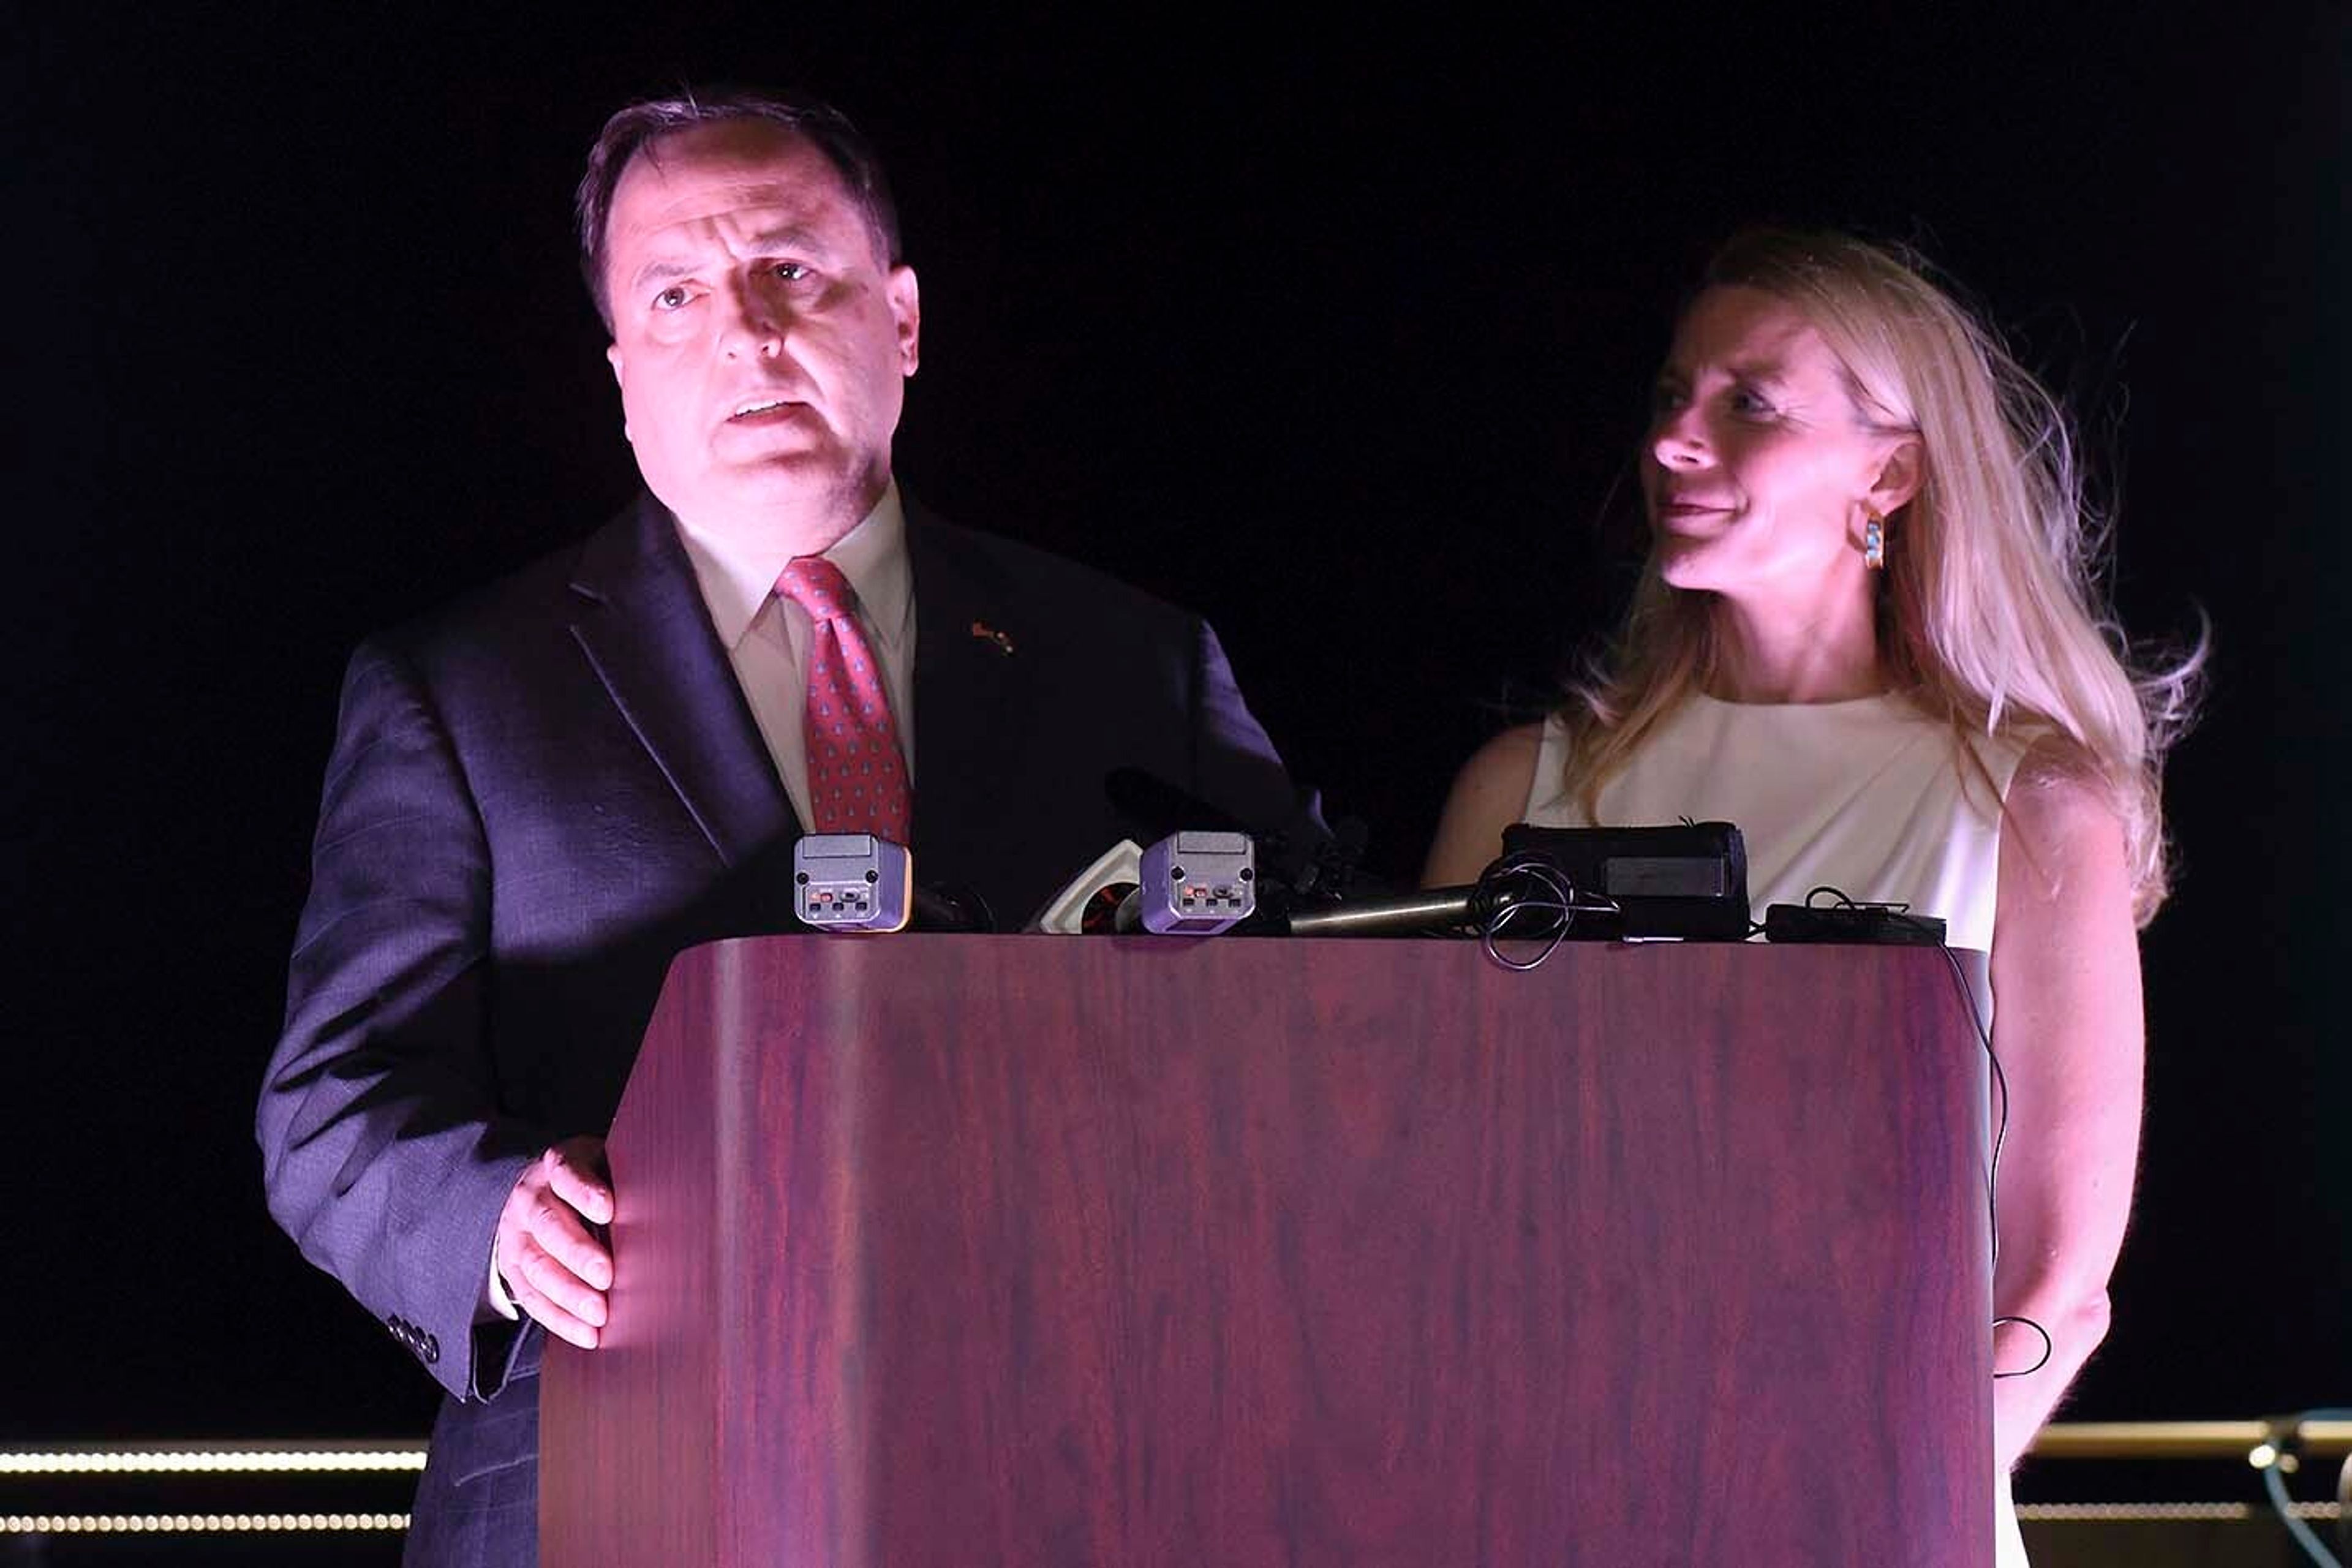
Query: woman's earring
[{"x": 1874, "y": 542}]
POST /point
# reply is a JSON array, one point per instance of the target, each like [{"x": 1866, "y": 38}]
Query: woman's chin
[{"x": 1682, "y": 564}]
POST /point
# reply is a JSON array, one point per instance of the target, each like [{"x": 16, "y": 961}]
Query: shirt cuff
[{"x": 496, "y": 1302}]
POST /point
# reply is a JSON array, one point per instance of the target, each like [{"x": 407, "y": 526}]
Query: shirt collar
[{"x": 738, "y": 577}]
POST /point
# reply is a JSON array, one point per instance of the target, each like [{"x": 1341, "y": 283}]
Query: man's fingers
[
  {"x": 580, "y": 1185},
  {"x": 574, "y": 1171},
  {"x": 543, "y": 1308},
  {"x": 555, "y": 1268},
  {"x": 553, "y": 1227},
  {"x": 555, "y": 1281}
]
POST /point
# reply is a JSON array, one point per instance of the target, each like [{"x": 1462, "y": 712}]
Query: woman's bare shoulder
[
  {"x": 1489, "y": 794},
  {"x": 2063, "y": 872}
]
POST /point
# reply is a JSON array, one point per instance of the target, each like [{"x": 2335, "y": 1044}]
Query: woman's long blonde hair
[{"x": 1990, "y": 610}]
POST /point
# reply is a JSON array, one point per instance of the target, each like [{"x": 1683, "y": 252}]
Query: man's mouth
[{"x": 758, "y": 407}]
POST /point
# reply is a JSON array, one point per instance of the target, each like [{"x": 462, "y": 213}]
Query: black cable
[
  {"x": 1501, "y": 898},
  {"x": 2048, "y": 1349},
  {"x": 1902, "y": 911},
  {"x": 1522, "y": 885},
  {"x": 2304, "y": 1536},
  {"x": 1894, "y": 910},
  {"x": 2001, "y": 1083},
  {"x": 1999, "y": 1142},
  {"x": 2279, "y": 1452},
  {"x": 1500, "y": 905}
]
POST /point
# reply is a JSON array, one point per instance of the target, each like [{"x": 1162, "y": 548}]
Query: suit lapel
[
  {"x": 973, "y": 686},
  {"x": 647, "y": 633}
]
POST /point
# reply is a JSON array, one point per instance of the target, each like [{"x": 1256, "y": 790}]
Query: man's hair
[{"x": 637, "y": 126}]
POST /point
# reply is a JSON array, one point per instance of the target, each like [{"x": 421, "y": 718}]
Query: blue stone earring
[{"x": 1874, "y": 542}]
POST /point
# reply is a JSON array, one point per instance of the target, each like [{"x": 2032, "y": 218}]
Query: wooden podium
[{"x": 1040, "y": 1251}]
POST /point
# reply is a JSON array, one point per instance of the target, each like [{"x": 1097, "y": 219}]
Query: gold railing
[{"x": 2187, "y": 1439}]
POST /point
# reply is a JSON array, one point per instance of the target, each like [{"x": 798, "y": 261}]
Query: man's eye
[
  {"x": 669, "y": 298},
  {"x": 790, "y": 271}
]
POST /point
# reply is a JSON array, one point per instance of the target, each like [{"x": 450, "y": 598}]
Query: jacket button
[{"x": 430, "y": 1349}]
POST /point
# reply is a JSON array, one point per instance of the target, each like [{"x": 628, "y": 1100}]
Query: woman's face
[{"x": 1757, "y": 465}]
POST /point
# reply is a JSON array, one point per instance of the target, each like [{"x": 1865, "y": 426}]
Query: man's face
[{"x": 760, "y": 342}]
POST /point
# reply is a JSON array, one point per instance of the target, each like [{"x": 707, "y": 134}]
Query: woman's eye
[
  {"x": 1751, "y": 404},
  {"x": 669, "y": 298},
  {"x": 1666, "y": 398}
]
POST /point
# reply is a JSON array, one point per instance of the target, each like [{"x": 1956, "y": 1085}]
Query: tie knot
[{"x": 816, "y": 585}]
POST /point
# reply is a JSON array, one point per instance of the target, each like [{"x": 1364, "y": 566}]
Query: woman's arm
[
  {"x": 2067, "y": 1024},
  {"x": 1489, "y": 794}
]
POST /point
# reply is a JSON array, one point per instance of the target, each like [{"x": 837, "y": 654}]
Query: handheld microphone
[{"x": 1430, "y": 910}]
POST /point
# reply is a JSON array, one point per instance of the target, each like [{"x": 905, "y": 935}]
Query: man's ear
[
  {"x": 621, "y": 380},
  {"x": 1900, "y": 475},
  {"x": 907, "y": 312}
]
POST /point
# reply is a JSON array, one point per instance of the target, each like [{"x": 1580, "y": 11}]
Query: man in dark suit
[{"x": 539, "y": 796}]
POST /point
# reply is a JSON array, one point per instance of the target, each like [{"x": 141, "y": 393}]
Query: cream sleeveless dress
[{"x": 1867, "y": 797}]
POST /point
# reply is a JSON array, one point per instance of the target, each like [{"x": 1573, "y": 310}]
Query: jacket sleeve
[
  {"x": 1234, "y": 765},
  {"x": 384, "y": 1152}
]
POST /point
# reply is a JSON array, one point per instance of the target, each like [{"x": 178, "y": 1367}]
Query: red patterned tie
[{"x": 856, "y": 774}]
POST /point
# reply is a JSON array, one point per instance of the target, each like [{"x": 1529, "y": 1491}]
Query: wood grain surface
[{"x": 1017, "y": 1250}]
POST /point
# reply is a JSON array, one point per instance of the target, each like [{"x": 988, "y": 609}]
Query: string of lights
[
  {"x": 196, "y": 1523},
  {"x": 214, "y": 1458}
]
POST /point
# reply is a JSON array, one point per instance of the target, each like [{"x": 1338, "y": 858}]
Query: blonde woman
[{"x": 1868, "y": 634}]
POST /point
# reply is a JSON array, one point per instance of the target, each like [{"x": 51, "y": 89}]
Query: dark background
[{"x": 1340, "y": 334}]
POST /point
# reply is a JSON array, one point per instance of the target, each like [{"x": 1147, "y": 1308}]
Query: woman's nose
[{"x": 1676, "y": 441}]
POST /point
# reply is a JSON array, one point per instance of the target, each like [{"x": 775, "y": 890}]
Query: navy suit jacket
[{"x": 538, "y": 797}]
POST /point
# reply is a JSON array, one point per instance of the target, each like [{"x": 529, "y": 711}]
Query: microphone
[
  {"x": 952, "y": 908},
  {"x": 1432, "y": 909},
  {"x": 855, "y": 881},
  {"x": 852, "y": 881},
  {"x": 1503, "y": 890},
  {"x": 1194, "y": 884},
  {"x": 1299, "y": 859}
]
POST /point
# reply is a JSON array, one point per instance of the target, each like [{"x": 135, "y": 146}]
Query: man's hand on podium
[{"x": 552, "y": 1265}]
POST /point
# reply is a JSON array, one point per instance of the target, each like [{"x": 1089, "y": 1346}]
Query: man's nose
[{"x": 756, "y": 326}]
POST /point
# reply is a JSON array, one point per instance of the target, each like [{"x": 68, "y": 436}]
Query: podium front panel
[{"x": 1037, "y": 1251}]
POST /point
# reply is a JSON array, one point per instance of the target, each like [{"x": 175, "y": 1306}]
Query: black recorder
[{"x": 1689, "y": 881}]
